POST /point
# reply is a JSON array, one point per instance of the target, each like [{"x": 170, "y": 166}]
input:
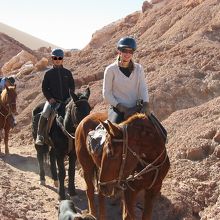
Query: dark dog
[{"x": 67, "y": 211}]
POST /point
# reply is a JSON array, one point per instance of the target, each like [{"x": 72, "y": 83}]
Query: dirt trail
[{"x": 21, "y": 196}]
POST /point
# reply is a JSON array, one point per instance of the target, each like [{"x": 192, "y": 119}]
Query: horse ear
[
  {"x": 73, "y": 95},
  {"x": 110, "y": 128},
  {"x": 105, "y": 125},
  {"x": 114, "y": 130},
  {"x": 87, "y": 93}
]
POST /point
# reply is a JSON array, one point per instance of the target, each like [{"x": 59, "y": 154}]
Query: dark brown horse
[
  {"x": 7, "y": 108},
  {"x": 77, "y": 108},
  {"x": 133, "y": 158}
]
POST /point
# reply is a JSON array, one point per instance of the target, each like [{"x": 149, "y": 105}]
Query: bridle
[
  {"x": 73, "y": 119},
  {"x": 73, "y": 112},
  {"x": 147, "y": 167}
]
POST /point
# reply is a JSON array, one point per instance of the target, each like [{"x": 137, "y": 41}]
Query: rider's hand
[
  {"x": 121, "y": 108},
  {"x": 130, "y": 111},
  {"x": 52, "y": 100},
  {"x": 145, "y": 109}
]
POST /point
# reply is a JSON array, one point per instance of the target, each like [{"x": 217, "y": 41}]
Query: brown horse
[
  {"x": 7, "y": 108},
  {"x": 133, "y": 158}
]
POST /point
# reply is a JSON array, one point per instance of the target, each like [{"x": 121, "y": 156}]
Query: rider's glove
[
  {"x": 145, "y": 108},
  {"x": 121, "y": 108}
]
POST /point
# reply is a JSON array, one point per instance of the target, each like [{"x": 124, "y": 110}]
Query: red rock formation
[{"x": 178, "y": 46}]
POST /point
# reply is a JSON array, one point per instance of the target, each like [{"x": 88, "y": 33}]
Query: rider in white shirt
[{"x": 124, "y": 82}]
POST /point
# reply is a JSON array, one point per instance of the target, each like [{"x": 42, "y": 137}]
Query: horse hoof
[
  {"x": 42, "y": 182},
  {"x": 56, "y": 183}
]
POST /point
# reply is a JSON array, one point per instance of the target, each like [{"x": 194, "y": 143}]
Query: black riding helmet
[
  {"x": 127, "y": 42},
  {"x": 57, "y": 53}
]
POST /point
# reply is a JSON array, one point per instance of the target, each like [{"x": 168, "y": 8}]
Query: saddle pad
[{"x": 96, "y": 139}]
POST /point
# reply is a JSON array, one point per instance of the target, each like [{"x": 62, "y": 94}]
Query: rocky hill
[
  {"x": 30, "y": 41},
  {"x": 178, "y": 45},
  {"x": 9, "y": 47}
]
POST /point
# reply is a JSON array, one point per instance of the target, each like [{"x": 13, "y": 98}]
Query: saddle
[
  {"x": 96, "y": 139},
  {"x": 48, "y": 128}
]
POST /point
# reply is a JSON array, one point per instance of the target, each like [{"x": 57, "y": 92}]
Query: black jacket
[{"x": 56, "y": 84}]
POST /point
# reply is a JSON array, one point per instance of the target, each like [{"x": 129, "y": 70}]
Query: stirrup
[
  {"x": 39, "y": 140},
  {"x": 60, "y": 119}
]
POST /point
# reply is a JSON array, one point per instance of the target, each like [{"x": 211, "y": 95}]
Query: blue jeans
[
  {"x": 46, "y": 110},
  {"x": 115, "y": 116}
]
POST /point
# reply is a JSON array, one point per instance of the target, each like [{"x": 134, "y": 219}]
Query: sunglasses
[
  {"x": 127, "y": 51},
  {"x": 57, "y": 58}
]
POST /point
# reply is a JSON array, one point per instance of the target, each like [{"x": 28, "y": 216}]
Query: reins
[
  {"x": 124, "y": 153},
  {"x": 73, "y": 118},
  {"x": 124, "y": 156}
]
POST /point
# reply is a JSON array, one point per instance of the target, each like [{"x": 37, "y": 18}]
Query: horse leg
[
  {"x": 129, "y": 200},
  {"x": 0, "y": 138},
  {"x": 90, "y": 191},
  {"x": 101, "y": 206},
  {"x": 61, "y": 176},
  {"x": 53, "y": 167},
  {"x": 40, "y": 159},
  {"x": 6, "y": 141},
  {"x": 149, "y": 198},
  {"x": 71, "y": 174}
]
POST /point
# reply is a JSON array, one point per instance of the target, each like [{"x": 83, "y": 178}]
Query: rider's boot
[{"x": 41, "y": 130}]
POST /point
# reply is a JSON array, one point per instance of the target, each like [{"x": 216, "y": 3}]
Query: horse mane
[
  {"x": 72, "y": 106},
  {"x": 4, "y": 93},
  {"x": 67, "y": 118},
  {"x": 133, "y": 118}
]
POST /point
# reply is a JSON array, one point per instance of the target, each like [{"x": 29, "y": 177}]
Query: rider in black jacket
[{"x": 56, "y": 85}]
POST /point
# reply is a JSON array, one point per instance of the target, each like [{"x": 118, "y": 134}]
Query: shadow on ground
[
  {"x": 25, "y": 163},
  {"x": 112, "y": 205}
]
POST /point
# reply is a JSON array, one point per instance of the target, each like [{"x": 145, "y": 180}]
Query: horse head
[
  {"x": 8, "y": 99},
  {"x": 77, "y": 109},
  {"x": 129, "y": 148}
]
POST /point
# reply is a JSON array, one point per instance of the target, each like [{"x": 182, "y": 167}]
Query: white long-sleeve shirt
[{"x": 118, "y": 88}]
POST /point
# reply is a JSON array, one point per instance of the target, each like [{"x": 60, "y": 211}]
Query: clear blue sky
[{"x": 65, "y": 23}]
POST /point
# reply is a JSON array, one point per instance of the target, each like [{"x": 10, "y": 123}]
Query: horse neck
[
  {"x": 4, "y": 109},
  {"x": 68, "y": 119},
  {"x": 3, "y": 100}
]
